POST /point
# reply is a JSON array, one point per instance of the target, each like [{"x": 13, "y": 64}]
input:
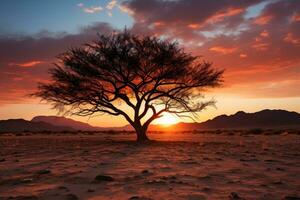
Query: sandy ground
[{"x": 192, "y": 166}]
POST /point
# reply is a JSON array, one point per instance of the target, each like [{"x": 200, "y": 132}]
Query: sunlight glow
[{"x": 167, "y": 119}]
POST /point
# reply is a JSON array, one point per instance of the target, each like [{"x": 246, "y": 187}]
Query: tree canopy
[{"x": 150, "y": 75}]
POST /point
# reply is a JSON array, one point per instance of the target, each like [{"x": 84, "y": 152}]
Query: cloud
[
  {"x": 296, "y": 17},
  {"x": 264, "y": 33},
  {"x": 91, "y": 9},
  {"x": 96, "y": 9},
  {"x": 262, "y": 20},
  {"x": 223, "y": 50},
  {"x": 243, "y": 55},
  {"x": 260, "y": 55},
  {"x": 256, "y": 51},
  {"x": 27, "y": 64},
  {"x": 125, "y": 9},
  {"x": 111, "y": 4},
  {"x": 185, "y": 12},
  {"x": 220, "y": 16},
  {"x": 292, "y": 39},
  {"x": 25, "y": 60}
]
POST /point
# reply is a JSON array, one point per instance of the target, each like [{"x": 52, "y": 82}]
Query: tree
[{"x": 149, "y": 75}]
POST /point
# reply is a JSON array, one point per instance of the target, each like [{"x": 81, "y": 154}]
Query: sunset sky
[{"x": 257, "y": 42}]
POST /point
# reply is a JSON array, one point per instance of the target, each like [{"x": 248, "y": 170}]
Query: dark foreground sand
[{"x": 193, "y": 167}]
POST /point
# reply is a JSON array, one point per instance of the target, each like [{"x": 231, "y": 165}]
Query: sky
[{"x": 257, "y": 42}]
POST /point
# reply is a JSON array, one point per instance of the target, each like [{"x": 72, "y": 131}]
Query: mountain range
[
  {"x": 66, "y": 122},
  {"x": 19, "y": 125},
  {"x": 271, "y": 119},
  {"x": 265, "y": 119}
]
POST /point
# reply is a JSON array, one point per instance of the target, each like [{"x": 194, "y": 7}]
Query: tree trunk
[{"x": 141, "y": 135}]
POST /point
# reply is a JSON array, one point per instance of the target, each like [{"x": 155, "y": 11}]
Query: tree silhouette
[{"x": 148, "y": 75}]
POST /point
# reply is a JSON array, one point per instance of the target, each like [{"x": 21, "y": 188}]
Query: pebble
[{"x": 101, "y": 178}]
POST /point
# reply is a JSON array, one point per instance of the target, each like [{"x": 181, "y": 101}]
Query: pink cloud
[
  {"x": 290, "y": 38},
  {"x": 93, "y": 9},
  {"x": 222, "y": 14},
  {"x": 28, "y": 64},
  {"x": 263, "y": 20},
  {"x": 260, "y": 55},
  {"x": 223, "y": 50},
  {"x": 243, "y": 55},
  {"x": 264, "y": 33},
  {"x": 19, "y": 78},
  {"x": 296, "y": 18}
]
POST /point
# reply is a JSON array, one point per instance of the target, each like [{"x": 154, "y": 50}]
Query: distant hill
[
  {"x": 265, "y": 119},
  {"x": 62, "y": 121},
  {"x": 273, "y": 119},
  {"x": 261, "y": 119},
  {"x": 19, "y": 125}
]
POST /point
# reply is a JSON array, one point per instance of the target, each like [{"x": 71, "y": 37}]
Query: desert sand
[{"x": 176, "y": 166}]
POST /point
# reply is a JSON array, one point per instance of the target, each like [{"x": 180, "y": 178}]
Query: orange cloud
[
  {"x": 158, "y": 23},
  {"x": 296, "y": 18},
  {"x": 28, "y": 64},
  {"x": 262, "y": 20},
  {"x": 243, "y": 55},
  {"x": 126, "y": 9},
  {"x": 292, "y": 39},
  {"x": 194, "y": 26},
  {"x": 223, "y": 50},
  {"x": 260, "y": 46},
  {"x": 221, "y": 15},
  {"x": 17, "y": 78},
  {"x": 264, "y": 34}
]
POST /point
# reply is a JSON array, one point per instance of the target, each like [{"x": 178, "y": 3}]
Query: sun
[{"x": 167, "y": 119}]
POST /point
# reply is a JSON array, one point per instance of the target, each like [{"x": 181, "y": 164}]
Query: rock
[
  {"x": 90, "y": 190},
  {"x": 145, "y": 171},
  {"x": 100, "y": 178},
  {"x": 291, "y": 198},
  {"x": 139, "y": 198},
  {"x": 235, "y": 196},
  {"x": 63, "y": 188},
  {"x": 23, "y": 198},
  {"x": 195, "y": 197},
  {"x": 156, "y": 182},
  {"x": 270, "y": 160},
  {"x": 134, "y": 198},
  {"x": 206, "y": 189},
  {"x": 26, "y": 180},
  {"x": 284, "y": 133},
  {"x": 169, "y": 177},
  {"x": 71, "y": 197},
  {"x": 44, "y": 171},
  {"x": 177, "y": 182},
  {"x": 278, "y": 182},
  {"x": 2, "y": 159},
  {"x": 189, "y": 162}
]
